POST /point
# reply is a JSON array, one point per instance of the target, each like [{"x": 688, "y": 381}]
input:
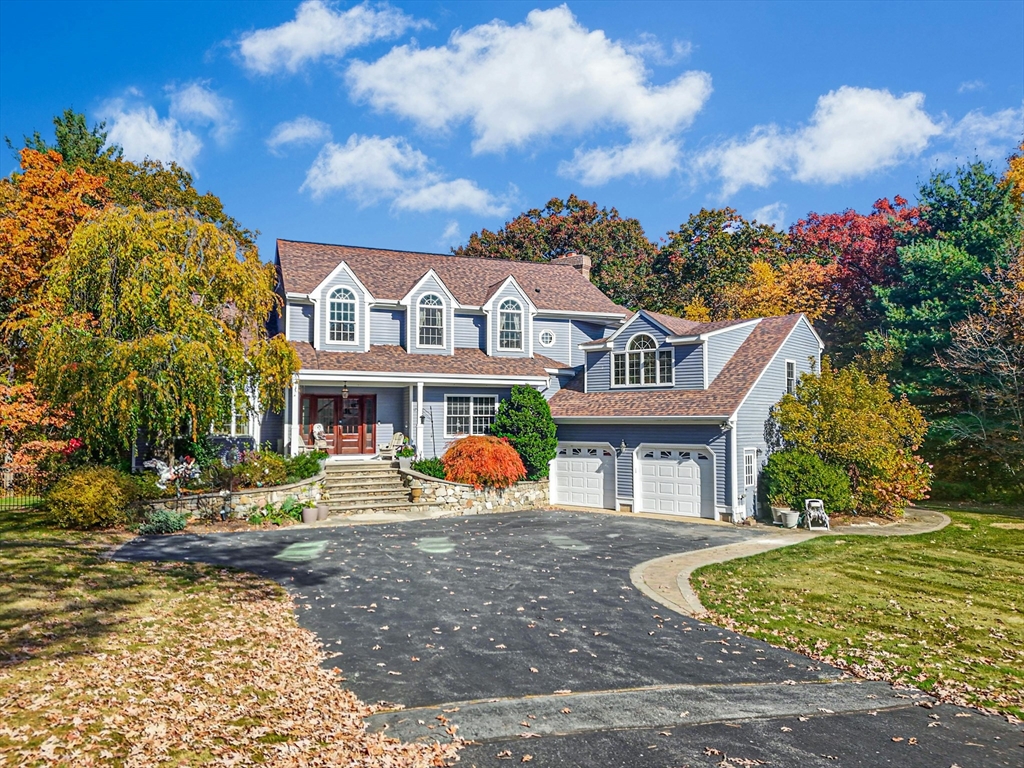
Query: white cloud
[
  {"x": 144, "y": 134},
  {"x": 655, "y": 158},
  {"x": 198, "y": 104},
  {"x": 971, "y": 85},
  {"x": 773, "y": 213},
  {"x": 852, "y": 132},
  {"x": 650, "y": 47},
  {"x": 370, "y": 169},
  {"x": 301, "y": 130},
  {"x": 317, "y": 31},
  {"x": 451, "y": 237},
  {"x": 516, "y": 84},
  {"x": 988, "y": 137}
]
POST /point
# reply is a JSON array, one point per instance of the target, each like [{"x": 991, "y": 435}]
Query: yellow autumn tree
[
  {"x": 792, "y": 287},
  {"x": 1014, "y": 177},
  {"x": 154, "y": 321}
]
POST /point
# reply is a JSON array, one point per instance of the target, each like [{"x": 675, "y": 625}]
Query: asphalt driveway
[{"x": 527, "y": 623}]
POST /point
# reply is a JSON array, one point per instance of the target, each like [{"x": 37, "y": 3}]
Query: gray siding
[
  {"x": 599, "y": 371},
  {"x": 556, "y": 383},
  {"x": 582, "y": 332},
  {"x": 470, "y": 331},
  {"x": 639, "y": 325},
  {"x": 561, "y": 349},
  {"x": 688, "y": 360},
  {"x": 387, "y": 326},
  {"x": 431, "y": 285},
  {"x": 802, "y": 348},
  {"x": 710, "y": 435},
  {"x": 689, "y": 366},
  {"x": 300, "y": 322},
  {"x": 434, "y": 440},
  {"x": 509, "y": 291},
  {"x": 342, "y": 279},
  {"x": 722, "y": 346}
]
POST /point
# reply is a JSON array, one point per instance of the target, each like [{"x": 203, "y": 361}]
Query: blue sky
[{"x": 410, "y": 125}]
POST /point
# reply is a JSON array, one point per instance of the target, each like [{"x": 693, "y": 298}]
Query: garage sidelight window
[
  {"x": 642, "y": 364},
  {"x": 465, "y": 415}
]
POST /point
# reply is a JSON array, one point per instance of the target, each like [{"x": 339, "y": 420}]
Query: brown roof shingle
[
  {"x": 722, "y": 398},
  {"x": 391, "y": 275},
  {"x": 387, "y": 358}
]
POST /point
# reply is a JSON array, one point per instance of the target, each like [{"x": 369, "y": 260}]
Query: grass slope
[
  {"x": 106, "y": 663},
  {"x": 941, "y": 611}
]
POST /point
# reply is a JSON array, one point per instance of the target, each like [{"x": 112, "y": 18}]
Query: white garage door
[
  {"x": 584, "y": 475},
  {"x": 675, "y": 481}
]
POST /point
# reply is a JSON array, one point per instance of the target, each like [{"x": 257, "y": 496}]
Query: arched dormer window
[
  {"x": 342, "y": 325},
  {"x": 431, "y": 316},
  {"x": 642, "y": 364},
  {"x": 510, "y": 325}
]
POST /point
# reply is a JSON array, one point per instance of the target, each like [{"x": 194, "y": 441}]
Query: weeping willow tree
[{"x": 154, "y": 322}]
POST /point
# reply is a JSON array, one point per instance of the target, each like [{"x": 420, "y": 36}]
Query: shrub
[
  {"x": 525, "y": 420},
  {"x": 92, "y": 497},
  {"x": 304, "y": 466},
  {"x": 163, "y": 521},
  {"x": 259, "y": 469},
  {"x": 432, "y": 467},
  {"x": 289, "y": 510},
  {"x": 483, "y": 460},
  {"x": 795, "y": 476}
]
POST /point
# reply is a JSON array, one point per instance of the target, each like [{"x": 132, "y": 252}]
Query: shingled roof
[
  {"x": 721, "y": 399},
  {"x": 390, "y": 275},
  {"x": 678, "y": 325},
  {"x": 388, "y": 358}
]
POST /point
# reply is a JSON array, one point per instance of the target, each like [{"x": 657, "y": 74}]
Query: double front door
[{"x": 349, "y": 423}]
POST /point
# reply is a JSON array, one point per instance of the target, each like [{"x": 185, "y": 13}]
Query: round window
[{"x": 547, "y": 338}]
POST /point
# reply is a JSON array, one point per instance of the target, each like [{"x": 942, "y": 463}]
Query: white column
[
  {"x": 295, "y": 417},
  {"x": 419, "y": 419}
]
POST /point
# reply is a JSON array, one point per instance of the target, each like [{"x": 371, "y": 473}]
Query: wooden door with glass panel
[{"x": 349, "y": 423}]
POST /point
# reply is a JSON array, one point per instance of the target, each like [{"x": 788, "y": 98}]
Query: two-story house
[{"x": 654, "y": 413}]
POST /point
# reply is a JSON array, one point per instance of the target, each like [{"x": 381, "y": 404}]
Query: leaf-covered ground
[
  {"x": 941, "y": 611},
  {"x": 142, "y": 664}
]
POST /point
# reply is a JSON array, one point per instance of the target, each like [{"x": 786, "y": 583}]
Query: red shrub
[{"x": 483, "y": 460}]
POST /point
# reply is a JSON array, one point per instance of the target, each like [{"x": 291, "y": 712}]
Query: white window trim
[
  {"x": 657, "y": 358},
  {"x": 752, "y": 454},
  {"x": 495, "y": 398},
  {"x": 444, "y": 312},
  {"x": 355, "y": 315},
  {"x": 522, "y": 323},
  {"x": 796, "y": 376},
  {"x": 554, "y": 338}
]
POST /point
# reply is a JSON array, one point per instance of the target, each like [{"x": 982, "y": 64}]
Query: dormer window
[
  {"x": 431, "y": 326},
  {"x": 342, "y": 325},
  {"x": 642, "y": 364},
  {"x": 510, "y": 325}
]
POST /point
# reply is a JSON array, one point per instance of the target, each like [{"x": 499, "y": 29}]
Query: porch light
[
  {"x": 344, "y": 390},
  {"x": 622, "y": 446}
]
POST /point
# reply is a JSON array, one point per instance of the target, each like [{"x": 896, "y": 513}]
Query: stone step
[
  {"x": 344, "y": 467},
  {"x": 349, "y": 509},
  {"x": 362, "y": 482},
  {"x": 370, "y": 498}
]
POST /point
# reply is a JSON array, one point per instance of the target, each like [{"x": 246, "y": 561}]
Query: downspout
[
  {"x": 419, "y": 419},
  {"x": 730, "y": 425},
  {"x": 295, "y": 417}
]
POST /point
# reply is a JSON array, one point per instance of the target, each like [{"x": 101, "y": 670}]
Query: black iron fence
[{"x": 21, "y": 488}]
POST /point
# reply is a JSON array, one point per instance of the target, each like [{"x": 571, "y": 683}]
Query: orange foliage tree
[
  {"x": 482, "y": 460},
  {"x": 796, "y": 286},
  {"x": 29, "y": 427}
]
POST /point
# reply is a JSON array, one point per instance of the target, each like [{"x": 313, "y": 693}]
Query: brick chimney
[{"x": 578, "y": 261}]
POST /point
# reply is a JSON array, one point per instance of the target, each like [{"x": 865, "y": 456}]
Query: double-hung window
[
  {"x": 510, "y": 325},
  {"x": 466, "y": 415},
  {"x": 642, "y": 364},
  {"x": 431, "y": 317},
  {"x": 791, "y": 377},
  {"x": 342, "y": 326}
]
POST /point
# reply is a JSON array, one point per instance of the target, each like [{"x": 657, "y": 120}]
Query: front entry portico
[{"x": 349, "y": 422}]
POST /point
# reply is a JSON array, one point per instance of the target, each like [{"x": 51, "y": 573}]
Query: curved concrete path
[{"x": 666, "y": 579}]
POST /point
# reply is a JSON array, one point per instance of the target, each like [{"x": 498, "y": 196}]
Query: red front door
[{"x": 349, "y": 423}]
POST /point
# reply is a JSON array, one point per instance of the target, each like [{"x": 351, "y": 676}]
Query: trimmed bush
[
  {"x": 163, "y": 521},
  {"x": 795, "y": 476},
  {"x": 482, "y": 460},
  {"x": 260, "y": 469},
  {"x": 525, "y": 420},
  {"x": 432, "y": 467},
  {"x": 92, "y": 497},
  {"x": 304, "y": 466}
]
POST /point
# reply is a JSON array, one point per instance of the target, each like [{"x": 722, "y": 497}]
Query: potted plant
[
  {"x": 779, "y": 507},
  {"x": 322, "y": 510},
  {"x": 405, "y": 456},
  {"x": 310, "y": 513}
]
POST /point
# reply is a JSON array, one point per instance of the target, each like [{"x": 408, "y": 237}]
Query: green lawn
[
  {"x": 176, "y": 664},
  {"x": 941, "y": 611}
]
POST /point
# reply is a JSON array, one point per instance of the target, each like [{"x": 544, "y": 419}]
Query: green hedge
[{"x": 794, "y": 476}]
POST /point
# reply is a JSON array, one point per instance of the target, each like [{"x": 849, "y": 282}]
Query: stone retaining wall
[
  {"x": 442, "y": 496},
  {"x": 244, "y": 502}
]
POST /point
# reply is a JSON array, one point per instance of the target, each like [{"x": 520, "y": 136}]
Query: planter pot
[
  {"x": 405, "y": 462},
  {"x": 777, "y": 514},
  {"x": 322, "y": 511},
  {"x": 309, "y": 515},
  {"x": 790, "y": 518},
  {"x": 323, "y": 464}
]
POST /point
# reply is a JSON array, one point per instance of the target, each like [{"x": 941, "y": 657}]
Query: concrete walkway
[{"x": 667, "y": 579}]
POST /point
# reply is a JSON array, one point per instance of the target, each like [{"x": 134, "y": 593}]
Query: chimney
[{"x": 578, "y": 261}]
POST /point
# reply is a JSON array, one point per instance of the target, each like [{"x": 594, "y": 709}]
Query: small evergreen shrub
[
  {"x": 92, "y": 497},
  {"x": 525, "y": 420},
  {"x": 483, "y": 460},
  {"x": 432, "y": 467},
  {"x": 304, "y": 466},
  {"x": 795, "y": 476},
  {"x": 260, "y": 469},
  {"x": 163, "y": 521}
]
